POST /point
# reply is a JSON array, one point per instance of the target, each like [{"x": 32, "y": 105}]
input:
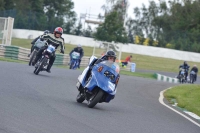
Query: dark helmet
[
  {"x": 185, "y": 63},
  {"x": 110, "y": 53},
  {"x": 46, "y": 32}
]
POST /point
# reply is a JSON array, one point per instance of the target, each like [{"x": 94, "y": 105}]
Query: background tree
[{"x": 111, "y": 30}]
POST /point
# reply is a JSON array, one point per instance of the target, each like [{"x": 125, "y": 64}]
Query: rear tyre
[
  {"x": 95, "y": 98},
  {"x": 71, "y": 65}
]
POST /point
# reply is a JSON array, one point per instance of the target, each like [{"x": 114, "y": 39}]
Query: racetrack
[{"x": 46, "y": 103}]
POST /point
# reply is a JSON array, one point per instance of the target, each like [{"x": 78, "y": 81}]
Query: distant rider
[
  {"x": 186, "y": 67},
  {"x": 54, "y": 39},
  {"x": 128, "y": 59},
  {"x": 33, "y": 42},
  {"x": 195, "y": 69},
  {"x": 79, "y": 50}
]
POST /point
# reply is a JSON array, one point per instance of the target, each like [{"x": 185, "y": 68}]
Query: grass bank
[
  {"x": 144, "y": 75},
  {"x": 187, "y": 97}
]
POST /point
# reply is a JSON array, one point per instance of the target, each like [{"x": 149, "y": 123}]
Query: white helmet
[{"x": 79, "y": 45}]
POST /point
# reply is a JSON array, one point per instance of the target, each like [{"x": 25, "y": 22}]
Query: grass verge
[
  {"x": 144, "y": 75},
  {"x": 187, "y": 97}
]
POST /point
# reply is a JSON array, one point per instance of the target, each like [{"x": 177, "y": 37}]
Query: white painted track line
[{"x": 162, "y": 102}]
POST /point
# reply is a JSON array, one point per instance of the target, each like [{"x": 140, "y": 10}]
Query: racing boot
[{"x": 48, "y": 68}]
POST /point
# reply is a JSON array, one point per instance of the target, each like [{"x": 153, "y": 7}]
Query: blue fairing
[{"x": 105, "y": 83}]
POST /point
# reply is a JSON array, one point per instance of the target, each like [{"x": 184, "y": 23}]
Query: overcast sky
[{"x": 94, "y": 6}]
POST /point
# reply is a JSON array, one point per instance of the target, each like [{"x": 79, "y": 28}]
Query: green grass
[
  {"x": 187, "y": 97},
  {"x": 122, "y": 72},
  {"x": 142, "y": 61},
  {"x": 11, "y": 60},
  {"x": 144, "y": 75}
]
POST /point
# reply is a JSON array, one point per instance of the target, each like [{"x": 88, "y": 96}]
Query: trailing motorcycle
[
  {"x": 192, "y": 76},
  {"x": 38, "y": 44},
  {"x": 43, "y": 62},
  {"x": 74, "y": 60},
  {"x": 99, "y": 83}
]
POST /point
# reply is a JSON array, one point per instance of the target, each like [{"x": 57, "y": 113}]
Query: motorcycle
[
  {"x": 192, "y": 77},
  {"x": 74, "y": 60},
  {"x": 182, "y": 76},
  {"x": 38, "y": 44},
  {"x": 43, "y": 62},
  {"x": 99, "y": 83}
]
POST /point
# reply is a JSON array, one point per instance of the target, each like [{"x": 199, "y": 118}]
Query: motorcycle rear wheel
[{"x": 95, "y": 98}]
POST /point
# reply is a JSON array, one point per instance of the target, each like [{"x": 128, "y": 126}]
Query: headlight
[{"x": 109, "y": 75}]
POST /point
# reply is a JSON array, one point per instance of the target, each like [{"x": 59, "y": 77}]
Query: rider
[
  {"x": 186, "y": 67},
  {"x": 128, "y": 59},
  {"x": 79, "y": 50},
  {"x": 54, "y": 39},
  {"x": 195, "y": 69},
  {"x": 110, "y": 56},
  {"x": 33, "y": 42}
]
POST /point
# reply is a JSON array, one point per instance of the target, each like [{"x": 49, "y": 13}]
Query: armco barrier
[
  {"x": 165, "y": 78},
  {"x": 19, "y": 53}
]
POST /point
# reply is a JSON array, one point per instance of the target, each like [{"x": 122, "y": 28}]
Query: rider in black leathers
[
  {"x": 54, "y": 39},
  {"x": 195, "y": 69},
  {"x": 33, "y": 42},
  {"x": 186, "y": 67}
]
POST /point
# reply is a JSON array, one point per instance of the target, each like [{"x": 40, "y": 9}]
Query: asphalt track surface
[{"x": 45, "y": 103}]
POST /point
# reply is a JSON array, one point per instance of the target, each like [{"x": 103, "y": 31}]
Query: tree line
[{"x": 171, "y": 24}]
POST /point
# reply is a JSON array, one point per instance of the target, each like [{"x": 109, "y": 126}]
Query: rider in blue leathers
[{"x": 79, "y": 50}]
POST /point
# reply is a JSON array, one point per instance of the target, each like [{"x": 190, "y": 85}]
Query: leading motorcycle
[
  {"x": 99, "y": 83},
  {"x": 43, "y": 62}
]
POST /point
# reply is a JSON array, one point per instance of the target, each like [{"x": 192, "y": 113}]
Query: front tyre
[
  {"x": 80, "y": 98},
  {"x": 40, "y": 66},
  {"x": 95, "y": 98}
]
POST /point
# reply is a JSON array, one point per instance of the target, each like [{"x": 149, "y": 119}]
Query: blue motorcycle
[
  {"x": 99, "y": 83},
  {"x": 75, "y": 57}
]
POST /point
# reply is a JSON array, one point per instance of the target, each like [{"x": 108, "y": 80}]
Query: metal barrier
[{"x": 19, "y": 53}]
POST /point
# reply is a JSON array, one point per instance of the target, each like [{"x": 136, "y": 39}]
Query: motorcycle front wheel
[{"x": 40, "y": 66}]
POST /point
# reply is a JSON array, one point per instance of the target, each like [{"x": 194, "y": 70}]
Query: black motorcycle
[
  {"x": 192, "y": 76},
  {"x": 38, "y": 44},
  {"x": 43, "y": 62},
  {"x": 182, "y": 76}
]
